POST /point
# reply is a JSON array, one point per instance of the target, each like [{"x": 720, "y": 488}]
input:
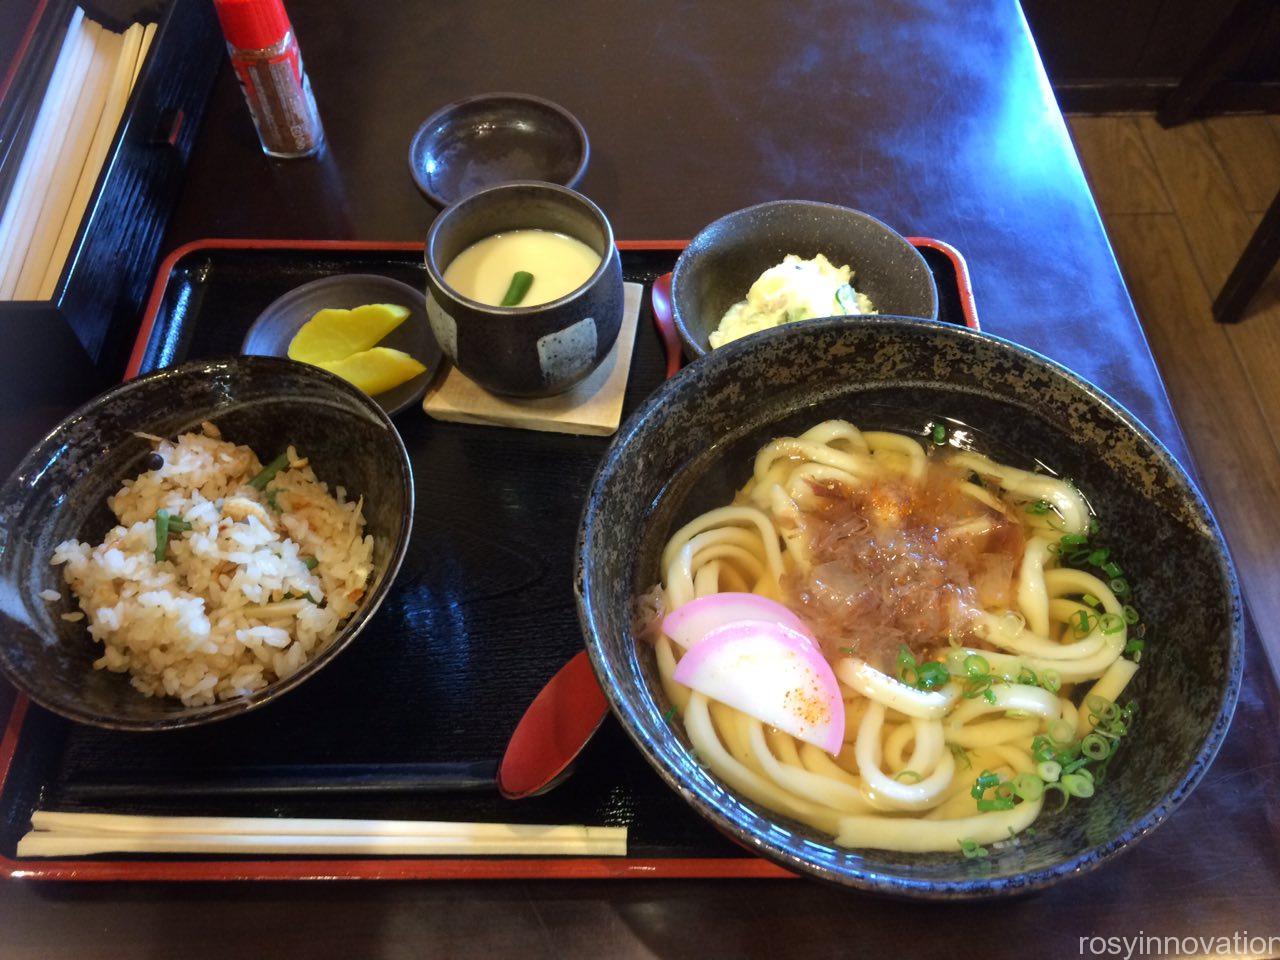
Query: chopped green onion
[
  {"x": 1077, "y": 785},
  {"x": 668, "y": 714},
  {"x": 986, "y": 780},
  {"x": 1081, "y": 623},
  {"x": 961, "y": 755},
  {"x": 939, "y": 433},
  {"x": 1048, "y": 770},
  {"x": 972, "y": 850},
  {"x": 1119, "y": 586},
  {"x": 1051, "y": 680},
  {"x": 1130, "y": 615},
  {"x": 1134, "y": 649},
  {"x": 1057, "y": 788},
  {"x": 1091, "y": 601},
  {"x": 975, "y": 665},
  {"x": 989, "y": 695},
  {"x": 996, "y": 803},
  {"x": 1027, "y": 676},
  {"x": 930, "y": 675},
  {"x": 1074, "y": 540},
  {"x": 310, "y": 562},
  {"x": 267, "y": 473},
  {"x": 1038, "y": 507},
  {"x": 1093, "y": 525},
  {"x": 162, "y": 534},
  {"x": 1112, "y": 569},
  {"x": 1060, "y": 731},
  {"x": 1111, "y": 623},
  {"x": 1028, "y": 786},
  {"x": 902, "y": 776},
  {"x": 1098, "y": 557},
  {"x": 1099, "y": 706},
  {"x": 1042, "y": 749},
  {"x": 521, "y": 281},
  {"x": 1095, "y": 747}
]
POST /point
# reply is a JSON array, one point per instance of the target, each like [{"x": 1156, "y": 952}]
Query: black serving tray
[{"x": 410, "y": 721}]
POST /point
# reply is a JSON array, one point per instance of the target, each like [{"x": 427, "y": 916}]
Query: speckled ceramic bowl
[
  {"x": 725, "y": 258},
  {"x": 692, "y": 444},
  {"x": 533, "y": 351},
  {"x": 60, "y": 491}
]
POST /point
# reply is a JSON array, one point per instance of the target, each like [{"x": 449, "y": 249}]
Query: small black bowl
[
  {"x": 277, "y": 325},
  {"x": 534, "y": 351},
  {"x": 59, "y": 492},
  {"x": 493, "y": 138},
  {"x": 726, "y": 257},
  {"x": 692, "y": 445}
]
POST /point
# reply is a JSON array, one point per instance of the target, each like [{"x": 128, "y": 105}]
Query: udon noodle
[{"x": 977, "y": 665}]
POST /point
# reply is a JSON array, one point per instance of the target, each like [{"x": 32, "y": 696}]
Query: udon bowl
[
  {"x": 692, "y": 445},
  {"x": 60, "y": 489}
]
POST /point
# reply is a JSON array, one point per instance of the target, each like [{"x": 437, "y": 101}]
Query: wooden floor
[{"x": 1179, "y": 206}]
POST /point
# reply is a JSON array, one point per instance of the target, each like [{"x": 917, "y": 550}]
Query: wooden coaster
[{"x": 593, "y": 407}]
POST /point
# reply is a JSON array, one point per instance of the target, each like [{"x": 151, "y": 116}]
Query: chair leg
[
  {"x": 1225, "y": 51},
  {"x": 1254, "y": 266}
]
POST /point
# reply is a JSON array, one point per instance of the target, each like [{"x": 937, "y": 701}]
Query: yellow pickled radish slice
[
  {"x": 375, "y": 371},
  {"x": 334, "y": 334}
]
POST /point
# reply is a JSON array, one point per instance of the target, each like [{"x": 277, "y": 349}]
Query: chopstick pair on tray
[{"x": 56, "y": 834}]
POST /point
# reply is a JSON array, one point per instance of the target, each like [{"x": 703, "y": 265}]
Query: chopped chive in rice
[{"x": 235, "y": 595}]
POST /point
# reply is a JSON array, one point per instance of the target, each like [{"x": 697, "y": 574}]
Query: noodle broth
[{"x": 979, "y": 655}]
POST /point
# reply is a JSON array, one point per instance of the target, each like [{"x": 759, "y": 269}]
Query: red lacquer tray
[{"x": 419, "y": 648}]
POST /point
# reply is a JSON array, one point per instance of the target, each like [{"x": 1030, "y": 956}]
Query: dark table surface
[{"x": 935, "y": 116}]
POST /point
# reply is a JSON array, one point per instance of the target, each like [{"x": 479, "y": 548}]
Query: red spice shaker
[{"x": 265, "y": 56}]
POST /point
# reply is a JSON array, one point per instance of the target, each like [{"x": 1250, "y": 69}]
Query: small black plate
[
  {"x": 481, "y": 141},
  {"x": 277, "y": 325}
]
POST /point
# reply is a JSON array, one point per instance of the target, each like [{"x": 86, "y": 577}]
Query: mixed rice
[{"x": 223, "y": 575}]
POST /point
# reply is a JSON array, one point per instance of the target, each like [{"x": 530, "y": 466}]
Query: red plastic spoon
[
  {"x": 569, "y": 710},
  {"x": 558, "y": 724}
]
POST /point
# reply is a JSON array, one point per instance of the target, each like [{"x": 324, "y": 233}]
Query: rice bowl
[
  {"x": 64, "y": 488},
  {"x": 259, "y": 579}
]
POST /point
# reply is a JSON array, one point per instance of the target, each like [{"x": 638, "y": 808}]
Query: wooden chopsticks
[
  {"x": 79, "y": 113},
  {"x": 63, "y": 834}
]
